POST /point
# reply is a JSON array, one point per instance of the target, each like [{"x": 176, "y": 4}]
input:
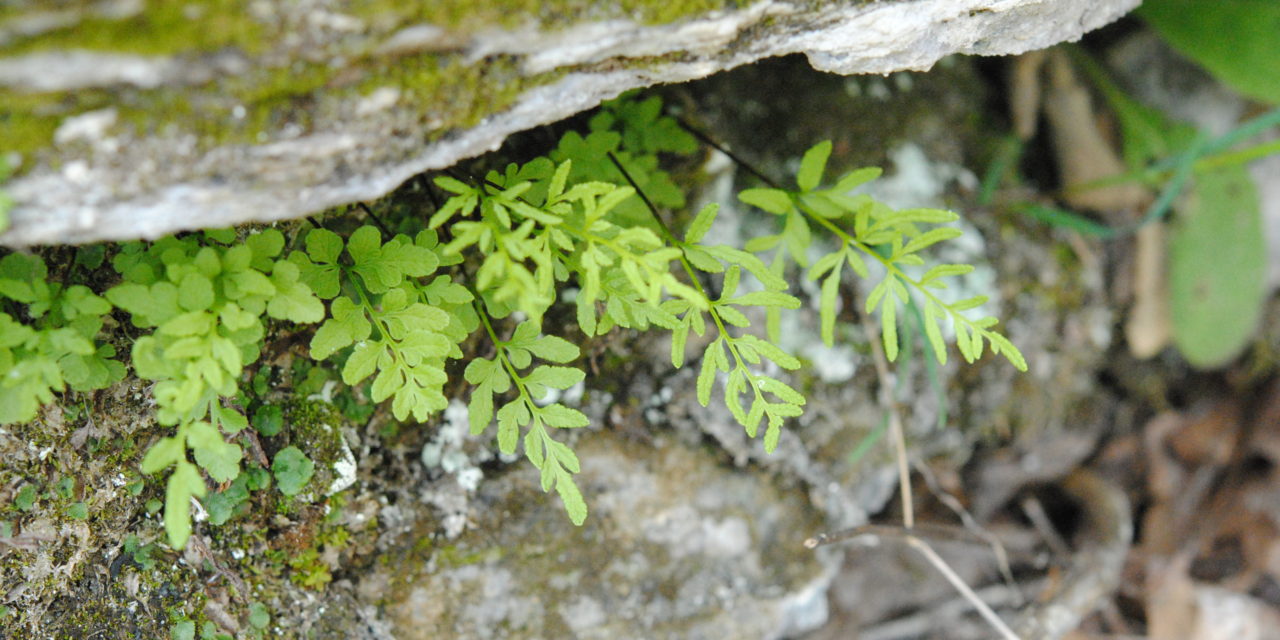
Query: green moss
[
  {"x": 449, "y": 92},
  {"x": 451, "y": 556},
  {"x": 28, "y": 120},
  {"x": 244, "y": 110},
  {"x": 162, "y": 28},
  {"x": 468, "y": 15}
]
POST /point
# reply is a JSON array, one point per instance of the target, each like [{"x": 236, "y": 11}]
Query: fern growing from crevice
[
  {"x": 204, "y": 295},
  {"x": 492, "y": 261},
  {"x": 58, "y": 349},
  {"x": 892, "y": 238},
  {"x": 396, "y": 326}
]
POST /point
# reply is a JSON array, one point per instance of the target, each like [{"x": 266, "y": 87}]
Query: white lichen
[{"x": 344, "y": 470}]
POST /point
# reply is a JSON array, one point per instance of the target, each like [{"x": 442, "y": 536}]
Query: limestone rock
[
  {"x": 677, "y": 546},
  {"x": 129, "y": 119}
]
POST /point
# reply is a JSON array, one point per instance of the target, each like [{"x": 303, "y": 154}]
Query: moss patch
[
  {"x": 470, "y": 15},
  {"x": 162, "y": 28}
]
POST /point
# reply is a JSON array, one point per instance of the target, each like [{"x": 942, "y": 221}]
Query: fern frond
[{"x": 893, "y": 238}]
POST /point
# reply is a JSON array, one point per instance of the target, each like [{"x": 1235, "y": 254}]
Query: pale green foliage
[
  {"x": 399, "y": 308},
  {"x": 292, "y": 469},
  {"x": 864, "y": 227},
  {"x": 6, "y": 201},
  {"x": 57, "y": 348},
  {"x": 634, "y": 131},
  {"x": 497, "y": 375},
  {"x": 205, "y": 300},
  {"x": 533, "y": 230},
  {"x": 396, "y": 326}
]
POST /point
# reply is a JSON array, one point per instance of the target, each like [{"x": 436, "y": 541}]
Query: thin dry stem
[
  {"x": 959, "y": 584},
  {"x": 895, "y": 422},
  {"x": 971, "y": 524},
  {"x": 904, "y": 480}
]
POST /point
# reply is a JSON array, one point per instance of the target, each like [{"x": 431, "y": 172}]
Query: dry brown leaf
[
  {"x": 1164, "y": 474},
  {"x": 1149, "y": 326},
  {"x": 1210, "y": 436},
  {"x": 1024, "y": 92},
  {"x": 1171, "y": 598},
  {"x": 1083, "y": 154}
]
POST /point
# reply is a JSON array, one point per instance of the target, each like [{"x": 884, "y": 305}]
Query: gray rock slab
[{"x": 319, "y": 111}]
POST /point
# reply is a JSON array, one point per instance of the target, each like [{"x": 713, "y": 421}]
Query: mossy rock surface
[{"x": 137, "y": 119}]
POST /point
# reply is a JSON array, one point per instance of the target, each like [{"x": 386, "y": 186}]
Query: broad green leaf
[
  {"x": 962, "y": 341},
  {"x": 562, "y": 417},
  {"x": 780, "y": 389},
  {"x": 930, "y": 237},
  {"x": 232, "y": 421},
  {"x": 267, "y": 243},
  {"x": 574, "y": 505},
  {"x": 877, "y": 294},
  {"x": 824, "y": 264},
  {"x": 292, "y": 470},
  {"x": 944, "y": 271},
  {"x": 224, "y": 236},
  {"x": 889, "y": 328},
  {"x": 347, "y": 325},
  {"x": 164, "y": 452},
  {"x": 388, "y": 381},
  {"x": 556, "y": 377},
  {"x": 183, "y": 630},
  {"x": 362, "y": 362},
  {"x": 856, "y": 178},
  {"x": 1002, "y": 346},
  {"x": 927, "y": 216},
  {"x": 295, "y": 302},
  {"x": 812, "y": 166},
  {"x": 770, "y": 351},
  {"x": 324, "y": 246},
  {"x": 220, "y": 458},
  {"x": 268, "y": 420},
  {"x": 511, "y": 417},
  {"x": 701, "y": 224},
  {"x": 934, "y": 333},
  {"x": 554, "y": 349},
  {"x": 250, "y": 282},
  {"x": 701, "y": 259},
  {"x": 364, "y": 244},
  {"x": 968, "y": 303},
  {"x": 480, "y": 409},
  {"x": 184, "y": 484},
  {"x": 140, "y": 301},
  {"x": 1217, "y": 268},
  {"x": 767, "y": 299},
  {"x": 479, "y": 371},
  {"x": 732, "y": 316},
  {"x": 771, "y": 200},
  {"x": 772, "y": 434},
  {"x": 259, "y": 617},
  {"x": 84, "y": 301},
  {"x": 707, "y": 374},
  {"x": 827, "y": 309},
  {"x": 1234, "y": 39},
  {"x": 679, "y": 338}
]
